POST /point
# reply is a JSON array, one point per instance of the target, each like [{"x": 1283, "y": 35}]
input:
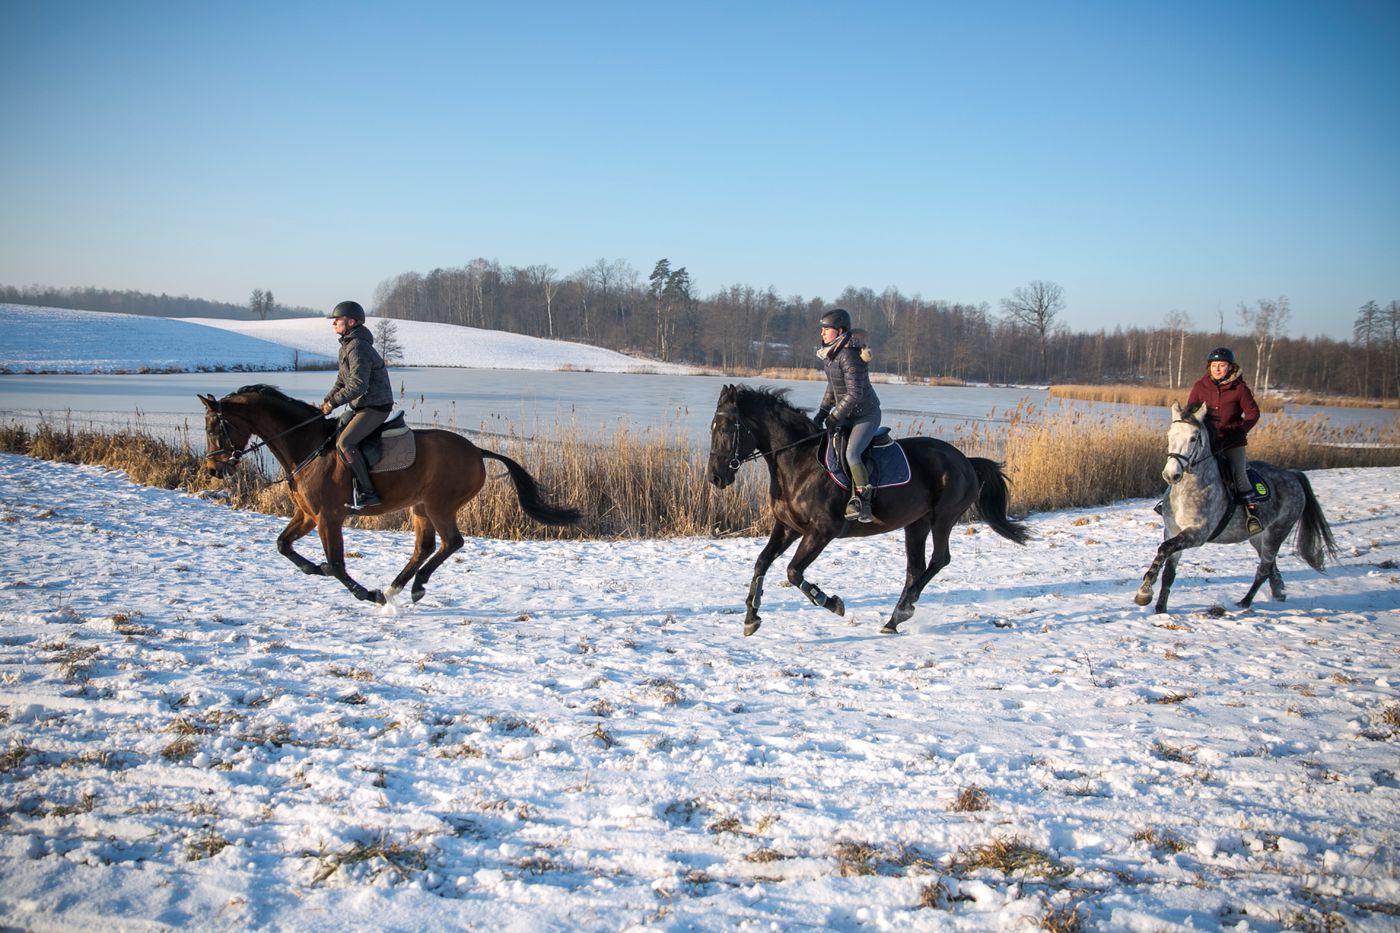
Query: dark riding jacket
[
  {"x": 363, "y": 381},
  {"x": 848, "y": 394},
  {"x": 1230, "y": 404}
]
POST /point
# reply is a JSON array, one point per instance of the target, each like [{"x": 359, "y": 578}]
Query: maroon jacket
[{"x": 1230, "y": 404}]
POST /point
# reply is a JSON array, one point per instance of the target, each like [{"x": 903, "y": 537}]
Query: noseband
[{"x": 736, "y": 424}]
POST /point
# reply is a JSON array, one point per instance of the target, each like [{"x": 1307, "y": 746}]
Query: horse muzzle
[{"x": 722, "y": 476}]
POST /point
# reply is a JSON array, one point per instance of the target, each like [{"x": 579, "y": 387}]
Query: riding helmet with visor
[
  {"x": 1221, "y": 354},
  {"x": 350, "y": 309},
  {"x": 838, "y": 318}
]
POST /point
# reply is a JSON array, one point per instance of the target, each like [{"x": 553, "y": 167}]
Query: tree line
[
  {"x": 661, "y": 315},
  {"x": 88, "y": 298}
]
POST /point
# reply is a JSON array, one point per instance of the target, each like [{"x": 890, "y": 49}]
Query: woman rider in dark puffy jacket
[
  {"x": 849, "y": 402},
  {"x": 363, "y": 384},
  {"x": 1233, "y": 412}
]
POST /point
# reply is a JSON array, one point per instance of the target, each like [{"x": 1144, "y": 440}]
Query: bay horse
[
  {"x": 1200, "y": 509},
  {"x": 750, "y": 423},
  {"x": 447, "y": 473}
]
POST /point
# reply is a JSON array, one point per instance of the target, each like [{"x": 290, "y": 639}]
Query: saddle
[
  {"x": 1262, "y": 490},
  {"x": 389, "y": 447},
  {"x": 885, "y": 460}
]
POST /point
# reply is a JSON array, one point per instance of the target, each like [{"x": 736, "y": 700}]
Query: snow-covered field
[
  {"x": 577, "y": 736},
  {"x": 58, "y": 340}
]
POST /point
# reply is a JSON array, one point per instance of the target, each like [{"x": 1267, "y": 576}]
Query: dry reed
[
  {"x": 1146, "y": 396},
  {"x": 653, "y": 483}
]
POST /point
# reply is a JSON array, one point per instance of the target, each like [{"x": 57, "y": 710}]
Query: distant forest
[
  {"x": 740, "y": 328},
  {"x": 1022, "y": 341},
  {"x": 261, "y": 306}
]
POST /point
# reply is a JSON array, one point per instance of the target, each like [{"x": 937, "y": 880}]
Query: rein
[{"x": 735, "y": 461}]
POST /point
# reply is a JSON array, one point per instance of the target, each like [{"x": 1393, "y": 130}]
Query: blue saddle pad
[{"x": 889, "y": 466}]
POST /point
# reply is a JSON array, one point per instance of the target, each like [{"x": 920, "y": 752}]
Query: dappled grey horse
[{"x": 1201, "y": 509}]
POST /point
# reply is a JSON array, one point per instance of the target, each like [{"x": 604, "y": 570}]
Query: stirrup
[
  {"x": 853, "y": 509},
  {"x": 362, "y": 500}
]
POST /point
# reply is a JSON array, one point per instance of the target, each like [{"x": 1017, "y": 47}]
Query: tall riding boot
[
  {"x": 867, "y": 494},
  {"x": 364, "y": 496}
]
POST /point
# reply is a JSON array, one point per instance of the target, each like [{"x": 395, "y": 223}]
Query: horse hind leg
[
  {"x": 1168, "y": 578},
  {"x": 1267, "y": 546},
  {"x": 424, "y": 541},
  {"x": 917, "y": 571},
  {"x": 452, "y": 541}
]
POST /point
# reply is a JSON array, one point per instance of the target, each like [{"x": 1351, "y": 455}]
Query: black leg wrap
[{"x": 814, "y": 593}]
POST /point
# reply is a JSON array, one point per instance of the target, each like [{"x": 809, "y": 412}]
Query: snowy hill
[{"x": 65, "y": 341}]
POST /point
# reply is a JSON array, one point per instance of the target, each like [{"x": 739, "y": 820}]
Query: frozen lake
[{"x": 533, "y": 402}]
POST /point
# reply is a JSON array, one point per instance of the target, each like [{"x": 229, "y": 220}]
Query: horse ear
[
  {"x": 1176, "y": 411},
  {"x": 208, "y": 401}
]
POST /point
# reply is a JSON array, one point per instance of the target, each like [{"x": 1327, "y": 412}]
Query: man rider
[{"x": 362, "y": 383}]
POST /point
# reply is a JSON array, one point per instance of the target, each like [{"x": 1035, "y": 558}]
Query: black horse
[{"x": 807, "y": 504}]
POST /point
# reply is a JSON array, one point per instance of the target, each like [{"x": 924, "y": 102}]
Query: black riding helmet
[
  {"x": 839, "y": 318},
  {"x": 350, "y": 309},
  {"x": 1222, "y": 354}
]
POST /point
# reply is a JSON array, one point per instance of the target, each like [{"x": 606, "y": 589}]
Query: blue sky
[{"x": 1148, "y": 157}]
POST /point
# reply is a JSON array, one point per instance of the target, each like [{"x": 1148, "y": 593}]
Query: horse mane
[
  {"x": 775, "y": 403},
  {"x": 274, "y": 394}
]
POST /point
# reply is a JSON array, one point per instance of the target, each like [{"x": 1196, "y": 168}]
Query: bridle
[
  {"x": 236, "y": 454},
  {"x": 739, "y": 429},
  {"x": 1188, "y": 464}
]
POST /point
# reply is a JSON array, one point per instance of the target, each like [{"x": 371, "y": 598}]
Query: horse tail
[
  {"x": 528, "y": 492},
  {"x": 1314, "y": 534},
  {"x": 993, "y": 498}
]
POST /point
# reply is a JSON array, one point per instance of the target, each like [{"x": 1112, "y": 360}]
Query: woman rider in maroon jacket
[{"x": 1233, "y": 412}]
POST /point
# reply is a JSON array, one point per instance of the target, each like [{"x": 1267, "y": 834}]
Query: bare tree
[
  {"x": 386, "y": 335},
  {"x": 261, "y": 304},
  {"x": 543, "y": 278},
  {"x": 1177, "y": 323},
  {"x": 1265, "y": 322},
  {"x": 1035, "y": 306}
]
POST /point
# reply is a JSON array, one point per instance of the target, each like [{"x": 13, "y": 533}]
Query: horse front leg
[
  {"x": 812, "y": 545},
  {"x": 297, "y": 528},
  {"x": 1168, "y": 547},
  {"x": 779, "y": 540},
  {"x": 333, "y": 543}
]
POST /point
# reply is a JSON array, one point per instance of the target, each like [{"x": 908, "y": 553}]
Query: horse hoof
[
  {"x": 751, "y": 627},
  {"x": 889, "y": 629},
  {"x": 836, "y": 605},
  {"x": 1245, "y": 603},
  {"x": 314, "y": 570},
  {"x": 1142, "y": 599},
  {"x": 418, "y": 594}
]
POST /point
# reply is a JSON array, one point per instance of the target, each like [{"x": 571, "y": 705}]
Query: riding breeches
[
  {"x": 359, "y": 427},
  {"x": 1237, "y": 466},
  {"x": 857, "y": 440}
]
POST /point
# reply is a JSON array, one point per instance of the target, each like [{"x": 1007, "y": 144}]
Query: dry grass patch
[
  {"x": 14, "y": 756},
  {"x": 380, "y": 856},
  {"x": 1010, "y": 857},
  {"x": 1161, "y": 840},
  {"x": 970, "y": 799}
]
